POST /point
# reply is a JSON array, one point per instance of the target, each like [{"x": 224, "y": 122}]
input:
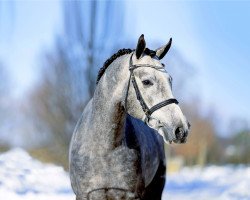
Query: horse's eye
[{"x": 147, "y": 82}]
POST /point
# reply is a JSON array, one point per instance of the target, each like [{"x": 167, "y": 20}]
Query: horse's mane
[{"x": 119, "y": 53}]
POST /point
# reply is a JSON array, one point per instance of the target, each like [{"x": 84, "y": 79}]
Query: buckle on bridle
[{"x": 147, "y": 112}]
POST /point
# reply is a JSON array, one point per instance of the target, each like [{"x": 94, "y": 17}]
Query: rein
[{"x": 148, "y": 111}]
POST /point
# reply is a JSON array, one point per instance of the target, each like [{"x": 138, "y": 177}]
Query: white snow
[
  {"x": 24, "y": 178},
  {"x": 212, "y": 182}
]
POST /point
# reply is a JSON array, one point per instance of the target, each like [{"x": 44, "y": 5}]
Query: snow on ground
[
  {"x": 213, "y": 182},
  {"x": 24, "y": 178}
]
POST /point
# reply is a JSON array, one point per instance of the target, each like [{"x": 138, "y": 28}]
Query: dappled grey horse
[{"x": 117, "y": 149}]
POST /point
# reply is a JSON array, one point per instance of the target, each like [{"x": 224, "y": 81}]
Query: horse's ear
[
  {"x": 140, "y": 46},
  {"x": 162, "y": 51}
]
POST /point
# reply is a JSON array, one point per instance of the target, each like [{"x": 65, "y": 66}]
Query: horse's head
[{"x": 149, "y": 96}]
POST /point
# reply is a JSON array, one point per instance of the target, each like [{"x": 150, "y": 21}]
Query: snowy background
[{"x": 22, "y": 177}]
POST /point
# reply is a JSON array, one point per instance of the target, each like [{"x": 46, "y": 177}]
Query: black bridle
[{"x": 148, "y": 111}]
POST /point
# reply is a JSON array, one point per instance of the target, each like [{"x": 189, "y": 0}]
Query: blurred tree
[
  {"x": 69, "y": 71},
  {"x": 92, "y": 29},
  {"x": 238, "y": 150},
  {"x": 4, "y": 104},
  {"x": 7, "y": 15},
  {"x": 3, "y": 85}
]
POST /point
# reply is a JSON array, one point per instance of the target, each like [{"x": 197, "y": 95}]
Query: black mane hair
[{"x": 121, "y": 52}]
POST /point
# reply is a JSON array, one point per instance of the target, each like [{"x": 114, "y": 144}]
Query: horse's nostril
[
  {"x": 179, "y": 133},
  {"x": 189, "y": 125}
]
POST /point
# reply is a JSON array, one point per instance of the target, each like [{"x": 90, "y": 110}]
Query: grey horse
[{"x": 117, "y": 148}]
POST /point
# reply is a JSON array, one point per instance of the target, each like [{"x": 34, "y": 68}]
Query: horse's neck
[
  {"x": 108, "y": 122},
  {"x": 108, "y": 115}
]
